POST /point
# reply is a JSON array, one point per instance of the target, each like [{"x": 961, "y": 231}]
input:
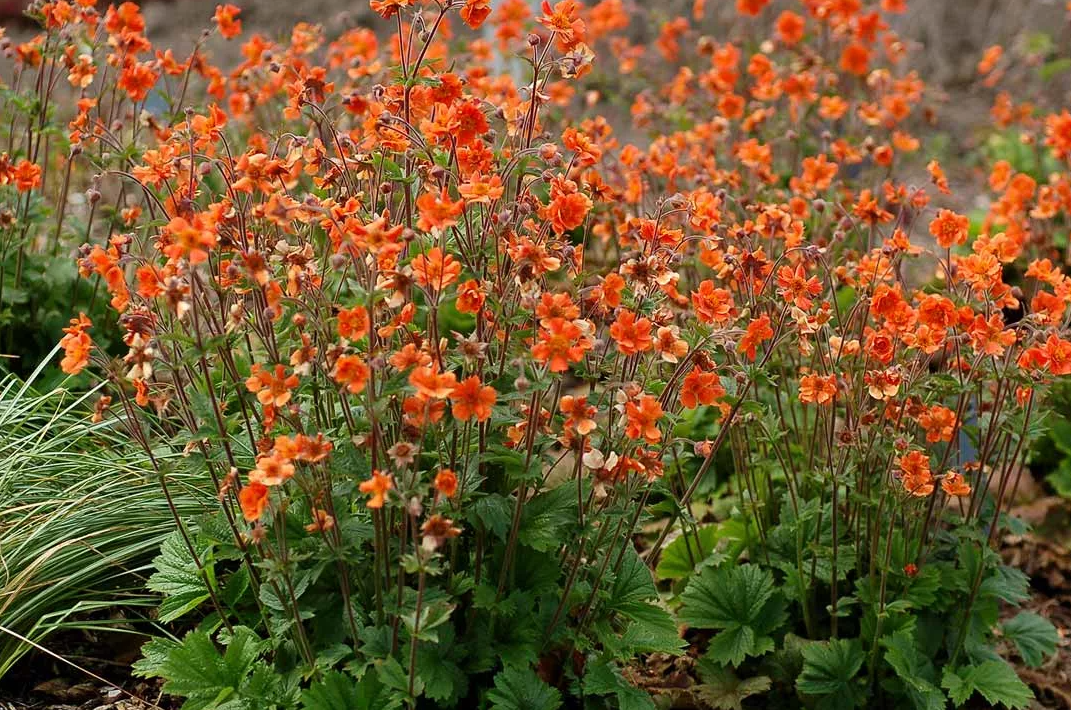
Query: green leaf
[
  {"x": 739, "y": 600},
  {"x": 338, "y": 691},
  {"x": 1034, "y": 636},
  {"x": 722, "y": 689},
  {"x": 829, "y": 670},
  {"x": 494, "y": 512},
  {"x": 1007, "y": 584},
  {"x": 194, "y": 668},
  {"x": 177, "y": 578},
  {"x": 521, "y": 689},
  {"x": 996, "y": 681},
  {"x": 633, "y": 583},
  {"x": 546, "y": 517},
  {"x": 602, "y": 678},
  {"x": 444, "y": 680},
  {"x": 914, "y": 670},
  {"x": 652, "y": 630},
  {"x": 681, "y": 556}
]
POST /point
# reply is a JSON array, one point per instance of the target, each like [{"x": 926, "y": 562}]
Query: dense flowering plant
[{"x": 464, "y": 370}]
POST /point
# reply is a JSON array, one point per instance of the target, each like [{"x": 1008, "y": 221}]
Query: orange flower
[
  {"x": 949, "y": 228},
  {"x": 915, "y": 473},
  {"x": 670, "y": 344},
  {"x": 954, "y": 485},
  {"x": 272, "y": 471},
  {"x": 312, "y": 450},
  {"x": 751, "y": 7},
  {"x": 321, "y": 521},
  {"x": 254, "y": 501},
  {"x": 560, "y": 343},
  {"x": 474, "y": 12},
  {"x": 556, "y": 305},
  {"x": 26, "y": 176},
  {"x": 446, "y": 483},
  {"x": 937, "y": 176},
  {"x": 432, "y": 384},
  {"x": 353, "y": 323},
  {"x": 76, "y": 345},
  {"x": 125, "y": 19},
  {"x": 643, "y": 419},
  {"x": 190, "y": 239},
  {"x": 435, "y": 270},
  {"x": 409, "y": 356},
  {"x": 271, "y": 388},
  {"x": 564, "y": 21},
  {"x": 1058, "y": 352},
  {"x": 939, "y": 423},
  {"x": 631, "y": 335},
  {"x": 389, "y": 8},
  {"x": 377, "y": 487},
  {"x": 351, "y": 371},
  {"x": 578, "y": 414},
  {"x": 479, "y": 190},
  {"x": 701, "y": 388},
  {"x": 470, "y": 297},
  {"x": 587, "y": 151},
  {"x": 796, "y": 288},
  {"x": 790, "y": 27},
  {"x": 758, "y": 332},
  {"x": 816, "y": 389},
  {"x": 882, "y": 384},
  {"x": 855, "y": 59},
  {"x": 818, "y": 172},
  {"x": 989, "y": 336},
  {"x": 419, "y": 410},
  {"x": 568, "y": 207},
  {"x": 1058, "y": 134},
  {"x": 472, "y": 399},
  {"x": 713, "y": 305},
  {"x": 137, "y": 80},
  {"x": 438, "y": 211},
  {"x": 226, "y": 18}
]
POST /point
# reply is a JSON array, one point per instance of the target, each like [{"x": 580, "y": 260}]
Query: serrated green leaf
[
  {"x": 177, "y": 578},
  {"x": 338, "y": 691},
  {"x": 829, "y": 672},
  {"x": 681, "y": 556},
  {"x": 519, "y": 688},
  {"x": 995, "y": 681},
  {"x": 602, "y": 678},
  {"x": 742, "y": 602},
  {"x": 914, "y": 670},
  {"x": 1034, "y": 636},
  {"x": 723, "y": 689},
  {"x": 194, "y": 668},
  {"x": 652, "y": 630}
]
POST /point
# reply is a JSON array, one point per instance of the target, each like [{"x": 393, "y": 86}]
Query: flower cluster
[{"x": 382, "y": 284}]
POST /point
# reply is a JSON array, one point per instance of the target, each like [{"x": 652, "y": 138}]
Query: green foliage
[
  {"x": 739, "y": 601},
  {"x": 177, "y": 578},
  {"x": 196, "y": 670},
  {"x": 995, "y": 681},
  {"x": 603, "y": 678},
  {"x": 723, "y": 689},
  {"x": 914, "y": 669},
  {"x": 338, "y": 691},
  {"x": 1034, "y": 636},
  {"x": 830, "y": 670},
  {"x": 682, "y": 556},
  {"x": 518, "y": 688}
]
